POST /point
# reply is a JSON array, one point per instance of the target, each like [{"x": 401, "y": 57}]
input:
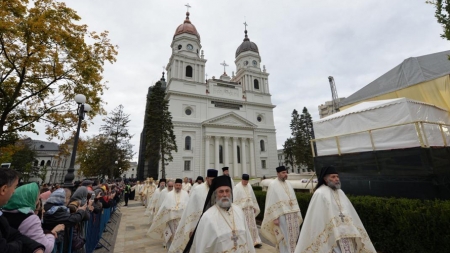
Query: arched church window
[
  {"x": 187, "y": 143},
  {"x": 220, "y": 154},
  {"x": 238, "y": 154},
  {"x": 256, "y": 84},
  {"x": 42, "y": 163},
  {"x": 262, "y": 145},
  {"x": 188, "y": 71},
  {"x": 49, "y": 163}
]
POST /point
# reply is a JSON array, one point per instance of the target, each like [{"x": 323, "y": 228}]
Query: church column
[
  {"x": 207, "y": 137},
  {"x": 252, "y": 158},
  {"x": 225, "y": 151},
  {"x": 216, "y": 152},
  {"x": 243, "y": 158},
  {"x": 235, "y": 161}
]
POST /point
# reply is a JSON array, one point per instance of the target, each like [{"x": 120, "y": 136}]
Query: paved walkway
[{"x": 131, "y": 236}]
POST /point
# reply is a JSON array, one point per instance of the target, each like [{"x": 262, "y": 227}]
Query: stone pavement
[{"x": 131, "y": 233}]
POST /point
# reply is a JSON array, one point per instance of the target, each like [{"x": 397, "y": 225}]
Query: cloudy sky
[{"x": 300, "y": 42}]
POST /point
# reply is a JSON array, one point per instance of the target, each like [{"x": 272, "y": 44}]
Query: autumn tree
[
  {"x": 46, "y": 58},
  {"x": 160, "y": 139}
]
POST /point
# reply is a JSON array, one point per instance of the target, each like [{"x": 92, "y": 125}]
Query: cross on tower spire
[
  {"x": 245, "y": 24},
  {"x": 224, "y": 64},
  {"x": 187, "y": 6}
]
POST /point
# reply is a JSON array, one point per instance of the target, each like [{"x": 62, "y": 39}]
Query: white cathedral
[{"x": 219, "y": 122}]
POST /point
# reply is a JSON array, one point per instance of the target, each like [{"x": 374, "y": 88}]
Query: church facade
[{"x": 219, "y": 122}]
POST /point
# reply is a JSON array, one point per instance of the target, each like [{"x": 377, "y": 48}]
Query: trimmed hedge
[{"x": 395, "y": 225}]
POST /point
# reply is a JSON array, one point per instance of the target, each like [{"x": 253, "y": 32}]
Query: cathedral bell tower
[
  {"x": 248, "y": 66},
  {"x": 186, "y": 62}
]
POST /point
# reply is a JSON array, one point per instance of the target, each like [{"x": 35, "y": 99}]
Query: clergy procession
[{"x": 216, "y": 215}]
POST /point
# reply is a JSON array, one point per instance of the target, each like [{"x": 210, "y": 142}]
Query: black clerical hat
[
  {"x": 211, "y": 173},
  {"x": 245, "y": 177},
  {"x": 178, "y": 181},
  {"x": 327, "y": 170},
  {"x": 199, "y": 178},
  {"x": 162, "y": 180},
  {"x": 281, "y": 168},
  {"x": 224, "y": 169}
]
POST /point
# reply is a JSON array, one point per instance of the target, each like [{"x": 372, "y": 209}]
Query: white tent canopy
[{"x": 391, "y": 123}]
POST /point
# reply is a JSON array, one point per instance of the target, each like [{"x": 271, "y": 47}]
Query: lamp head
[
  {"x": 87, "y": 108},
  {"x": 80, "y": 98}
]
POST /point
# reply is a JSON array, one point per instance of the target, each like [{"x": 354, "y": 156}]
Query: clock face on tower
[
  {"x": 246, "y": 63},
  {"x": 190, "y": 47},
  {"x": 254, "y": 63}
]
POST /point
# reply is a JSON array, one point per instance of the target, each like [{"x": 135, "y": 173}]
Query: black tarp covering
[{"x": 422, "y": 173}]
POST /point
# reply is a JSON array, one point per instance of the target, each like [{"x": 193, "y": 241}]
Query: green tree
[
  {"x": 45, "y": 59},
  {"x": 288, "y": 150},
  {"x": 22, "y": 160},
  {"x": 160, "y": 138},
  {"x": 297, "y": 149},
  {"x": 118, "y": 139},
  {"x": 442, "y": 15}
]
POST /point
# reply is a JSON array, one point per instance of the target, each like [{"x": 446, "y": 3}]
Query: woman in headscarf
[
  {"x": 56, "y": 211},
  {"x": 79, "y": 198},
  {"x": 20, "y": 214}
]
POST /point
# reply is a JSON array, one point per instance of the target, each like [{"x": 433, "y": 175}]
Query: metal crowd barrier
[{"x": 92, "y": 231}]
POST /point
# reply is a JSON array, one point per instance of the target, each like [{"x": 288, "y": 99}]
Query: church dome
[
  {"x": 247, "y": 45},
  {"x": 187, "y": 27}
]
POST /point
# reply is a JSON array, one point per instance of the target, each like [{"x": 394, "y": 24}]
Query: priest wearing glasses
[
  {"x": 222, "y": 227},
  {"x": 331, "y": 223}
]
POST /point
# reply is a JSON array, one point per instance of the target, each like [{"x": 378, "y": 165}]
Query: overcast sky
[{"x": 301, "y": 43}]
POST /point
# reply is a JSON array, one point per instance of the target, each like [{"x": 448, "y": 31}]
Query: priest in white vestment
[
  {"x": 139, "y": 191},
  {"x": 169, "y": 214},
  {"x": 282, "y": 217},
  {"x": 192, "y": 213},
  {"x": 331, "y": 223},
  {"x": 244, "y": 197},
  {"x": 222, "y": 227},
  {"x": 186, "y": 185},
  {"x": 150, "y": 190},
  {"x": 198, "y": 182},
  {"x": 226, "y": 172},
  {"x": 151, "y": 208}
]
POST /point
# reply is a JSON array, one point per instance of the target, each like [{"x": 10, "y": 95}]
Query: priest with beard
[
  {"x": 244, "y": 197},
  {"x": 192, "y": 213},
  {"x": 222, "y": 227},
  {"x": 198, "y": 182},
  {"x": 331, "y": 223},
  {"x": 151, "y": 208},
  {"x": 226, "y": 172},
  {"x": 169, "y": 214},
  {"x": 282, "y": 217}
]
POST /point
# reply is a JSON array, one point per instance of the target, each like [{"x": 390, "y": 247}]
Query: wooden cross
[
  {"x": 234, "y": 238},
  {"x": 342, "y": 216},
  {"x": 224, "y": 64},
  {"x": 188, "y": 6}
]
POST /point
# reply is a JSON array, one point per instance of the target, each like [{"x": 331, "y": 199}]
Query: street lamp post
[{"x": 81, "y": 110}]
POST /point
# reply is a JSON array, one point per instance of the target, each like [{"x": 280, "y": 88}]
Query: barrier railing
[{"x": 92, "y": 231}]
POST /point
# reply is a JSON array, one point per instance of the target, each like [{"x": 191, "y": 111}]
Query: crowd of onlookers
[{"x": 36, "y": 218}]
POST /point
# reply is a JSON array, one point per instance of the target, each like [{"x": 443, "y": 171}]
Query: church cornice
[
  {"x": 179, "y": 93},
  {"x": 243, "y": 71},
  {"x": 258, "y": 93},
  {"x": 179, "y": 56},
  {"x": 184, "y": 81},
  {"x": 265, "y": 130},
  {"x": 213, "y": 121},
  {"x": 186, "y": 124}
]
